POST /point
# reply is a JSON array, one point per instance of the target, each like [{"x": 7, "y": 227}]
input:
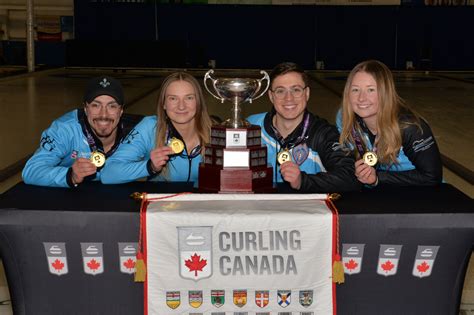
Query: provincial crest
[
  {"x": 217, "y": 298},
  {"x": 262, "y": 297},
  {"x": 195, "y": 298},
  {"x": 284, "y": 297},
  {"x": 306, "y": 297},
  {"x": 128, "y": 257},
  {"x": 424, "y": 261},
  {"x": 173, "y": 299},
  {"x": 240, "y": 297},
  {"x": 389, "y": 255},
  {"x": 93, "y": 258},
  {"x": 352, "y": 258},
  {"x": 300, "y": 153},
  {"x": 195, "y": 252},
  {"x": 57, "y": 259}
]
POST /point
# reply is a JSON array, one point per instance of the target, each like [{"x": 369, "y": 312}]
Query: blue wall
[
  {"x": 250, "y": 36},
  {"x": 46, "y": 53},
  {"x": 260, "y": 36}
]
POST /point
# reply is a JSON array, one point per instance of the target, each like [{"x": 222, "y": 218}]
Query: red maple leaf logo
[
  {"x": 129, "y": 263},
  {"x": 93, "y": 264},
  {"x": 351, "y": 264},
  {"x": 195, "y": 264},
  {"x": 423, "y": 267},
  {"x": 57, "y": 264},
  {"x": 387, "y": 266}
]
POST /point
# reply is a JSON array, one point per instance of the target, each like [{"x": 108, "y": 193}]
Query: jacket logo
[{"x": 47, "y": 143}]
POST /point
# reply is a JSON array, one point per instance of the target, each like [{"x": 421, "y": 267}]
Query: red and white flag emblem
[
  {"x": 93, "y": 258},
  {"x": 195, "y": 252},
  {"x": 128, "y": 257},
  {"x": 389, "y": 255},
  {"x": 352, "y": 258},
  {"x": 57, "y": 259},
  {"x": 424, "y": 261},
  {"x": 262, "y": 297}
]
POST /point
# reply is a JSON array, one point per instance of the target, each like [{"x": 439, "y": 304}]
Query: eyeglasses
[
  {"x": 295, "y": 91},
  {"x": 110, "y": 107}
]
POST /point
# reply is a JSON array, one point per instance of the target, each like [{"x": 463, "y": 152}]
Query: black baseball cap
[{"x": 104, "y": 85}]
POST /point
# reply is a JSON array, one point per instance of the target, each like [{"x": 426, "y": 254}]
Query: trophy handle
[
  {"x": 208, "y": 76},
  {"x": 265, "y": 77}
]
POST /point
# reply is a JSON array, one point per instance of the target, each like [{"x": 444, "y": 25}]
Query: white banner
[{"x": 242, "y": 254}]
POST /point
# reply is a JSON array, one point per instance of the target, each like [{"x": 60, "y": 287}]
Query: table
[{"x": 440, "y": 216}]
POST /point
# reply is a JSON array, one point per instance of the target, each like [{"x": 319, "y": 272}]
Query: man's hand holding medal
[
  {"x": 289, "y": 170},
  {"x": 84, "y": 167}
]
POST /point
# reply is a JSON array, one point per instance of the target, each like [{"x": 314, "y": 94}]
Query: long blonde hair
[
  {"x": 202, "y": 119},
  {"x": 391, "y": 105}
]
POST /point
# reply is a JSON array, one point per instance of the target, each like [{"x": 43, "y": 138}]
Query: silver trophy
[
  {"x": 235, "y": 161},
  {"x": 237, "y": 91}
]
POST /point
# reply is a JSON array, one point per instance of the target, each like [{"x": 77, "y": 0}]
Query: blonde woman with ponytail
[
  {"x": 167, "y": 146},
  {"x": 392, "y": 144}
]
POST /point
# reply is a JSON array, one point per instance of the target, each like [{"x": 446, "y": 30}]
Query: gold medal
[
  {"x": 370, "y": 158},
  {"x": 283, "y": 156},
  {"x": 97, "y": 158},
  {"x": 176, "y": 145}
]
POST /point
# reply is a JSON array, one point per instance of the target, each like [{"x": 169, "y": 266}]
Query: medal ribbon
[
  {"x": 360, "y": 145},
  {"x": 301, "y": 138}
]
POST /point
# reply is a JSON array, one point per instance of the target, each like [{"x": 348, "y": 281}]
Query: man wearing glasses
[
  {"x": 302, "y": 148},
  {"x": 76, "y": 146}
]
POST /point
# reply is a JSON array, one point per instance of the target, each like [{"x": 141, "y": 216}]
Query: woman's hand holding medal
[
  {"x": 159, "y": 157},
  {"x": 365, "y": 173}
]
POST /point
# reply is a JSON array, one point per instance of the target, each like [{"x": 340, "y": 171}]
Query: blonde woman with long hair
[
  {"x": 392, "y": 144},
  {"x": 166, "y": 146}
]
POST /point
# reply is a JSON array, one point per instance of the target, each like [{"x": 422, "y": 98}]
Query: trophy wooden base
[{"x": 215, "y": 179}]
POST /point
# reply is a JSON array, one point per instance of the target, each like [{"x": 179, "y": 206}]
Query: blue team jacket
[
  {"x": 418, "y": 161},
  {"x": 61, "y": 144},
  {"x": 312, "y": 164},
  {"x": 404, "y": 164},
  {"x": 129, "y": 162}
]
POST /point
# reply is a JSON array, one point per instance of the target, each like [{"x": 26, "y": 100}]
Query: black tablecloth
[{"x": 440, "y": 216}]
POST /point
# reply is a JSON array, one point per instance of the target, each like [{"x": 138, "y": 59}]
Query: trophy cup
[{"x": 235, "y": 160}]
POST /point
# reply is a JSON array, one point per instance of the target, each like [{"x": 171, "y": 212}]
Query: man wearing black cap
[{"x": 76, "y": 146}]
